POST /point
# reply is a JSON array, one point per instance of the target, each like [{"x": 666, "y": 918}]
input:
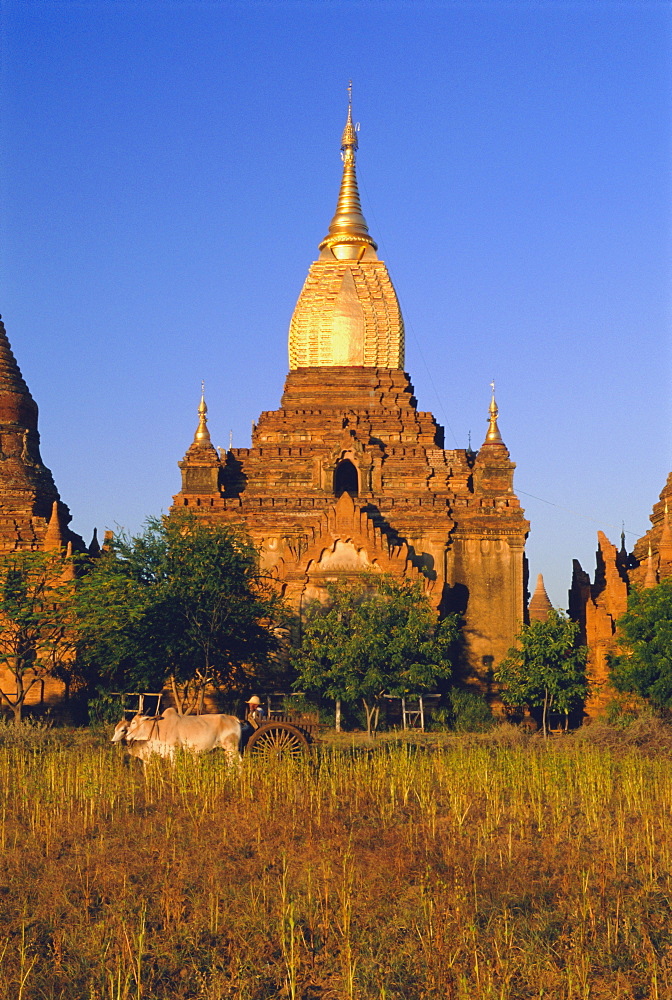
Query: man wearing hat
[
  {"x": 254, "y": 717},
  {"x": 255, "y": 713}
]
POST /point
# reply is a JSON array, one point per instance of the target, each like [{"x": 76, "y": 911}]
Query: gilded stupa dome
[{"x": 347, "y": 314}]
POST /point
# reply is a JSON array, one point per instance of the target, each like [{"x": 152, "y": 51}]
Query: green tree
[
  {"x": 37, "y": 637},
  {"x": 182, "y": 603},
  {"x": 376, "y": 636},
  {"x": 643, "y": 664},
  {"x": 546, "y": 669}
]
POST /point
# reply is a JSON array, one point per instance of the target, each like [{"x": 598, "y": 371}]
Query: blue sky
[{"x": 168, "y": 169}]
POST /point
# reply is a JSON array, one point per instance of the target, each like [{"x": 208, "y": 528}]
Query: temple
[
  {"x": 33, "y": 518},
  {"x": 597, "y": 606},
  {"x": 32, "y": 515},
  {"x": 349, "y": 476}
]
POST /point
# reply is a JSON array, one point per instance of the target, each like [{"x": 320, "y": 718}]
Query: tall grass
[{"x": 474, "y": 872}]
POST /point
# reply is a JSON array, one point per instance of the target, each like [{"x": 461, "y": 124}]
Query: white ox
[{"x": 145, "y": 735}]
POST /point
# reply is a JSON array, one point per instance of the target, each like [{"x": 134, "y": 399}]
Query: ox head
[
  {"x": 142, "y": 727},
  {"x": 127, "y": 731},
  {"x": 120, "y": 731}
]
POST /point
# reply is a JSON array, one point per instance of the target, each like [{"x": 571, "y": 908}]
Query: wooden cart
[{"x": 283, "y": 737}]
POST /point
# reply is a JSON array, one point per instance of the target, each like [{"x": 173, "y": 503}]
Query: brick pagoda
[
  {"x": 348, "y": 475},
  {"x": 32, "y": 515}
]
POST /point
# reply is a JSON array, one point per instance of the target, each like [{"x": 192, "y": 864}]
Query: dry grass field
[{"x": 463, "y": 870}]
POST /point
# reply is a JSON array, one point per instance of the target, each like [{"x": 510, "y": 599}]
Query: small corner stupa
[
  {"x": 540, "y": 606},
  {"x": 349, "y": 476}
]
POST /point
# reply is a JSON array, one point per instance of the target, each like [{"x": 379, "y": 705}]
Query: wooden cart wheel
[{"x": 278, "y": 741}]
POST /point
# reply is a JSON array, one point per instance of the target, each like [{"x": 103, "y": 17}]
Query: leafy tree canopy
[
  {"x": 376, "y": 636},
  {"x": 182, "y": 602},
  {"x": 644, "y": 663},
  {"x": 547, "y": 667},
  {"x": 37, "y": 637}
]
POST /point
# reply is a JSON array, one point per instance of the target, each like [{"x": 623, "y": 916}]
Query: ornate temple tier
[
  {"x": 347, "y": 314},
  {"x": 449, "y": 517}
]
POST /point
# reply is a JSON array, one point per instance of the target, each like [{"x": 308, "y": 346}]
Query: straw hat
[{"x": 254, "y": 700}]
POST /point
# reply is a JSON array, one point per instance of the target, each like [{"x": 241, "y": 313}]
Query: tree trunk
[
  {"x": 178, "y": 700},
  {"x": 21, "y": 692},
  {"x": 372, "y": 716},
  {"x": 338, "y": 715},
  {"x": 369, "y": 715},
  {"x": 544, "y": 723}
]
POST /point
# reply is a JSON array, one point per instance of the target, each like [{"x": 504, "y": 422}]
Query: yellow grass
[{"x": 466, "y": 872}]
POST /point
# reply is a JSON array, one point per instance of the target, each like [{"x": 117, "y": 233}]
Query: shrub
[
  {"x": 648, "y": 733},
  {"x": 470, "y": 712},
  {"x": 624, "y": 709},
  {"x": 30, "y": 734},
  {"x": 104, "y": 708},
  {"x": 506, "y": 734}
]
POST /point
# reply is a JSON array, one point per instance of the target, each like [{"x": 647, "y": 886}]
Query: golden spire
[
  {"x": 202, "y": 435},
  {"x": 348, "y": 235},
  {"x": 493, "y": 436},
  {"x": 347, "y": 314}
]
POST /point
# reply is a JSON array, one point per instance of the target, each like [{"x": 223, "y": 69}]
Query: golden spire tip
[
  {"x": 202, "y": 435},
  {"x": 348, "y": 236},
  {"x": 349, "y": 137},
  {"x": 493, "y": 436}
]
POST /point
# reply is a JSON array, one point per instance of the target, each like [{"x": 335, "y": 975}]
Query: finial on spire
[
  {"x": 348, "y": 236},
  {"x": 202, "y": 435},
  {"x": 349, "y": 137},
  {"x": 493, "y": 436}
]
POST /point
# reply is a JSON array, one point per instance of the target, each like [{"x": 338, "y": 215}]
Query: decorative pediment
[{"x": 348, "y": 543}]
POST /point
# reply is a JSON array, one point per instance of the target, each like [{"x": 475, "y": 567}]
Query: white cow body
[{"x": 145, "y": 735}]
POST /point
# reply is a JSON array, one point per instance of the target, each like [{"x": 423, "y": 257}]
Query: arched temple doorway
[{"x": 346, "y": 478}]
